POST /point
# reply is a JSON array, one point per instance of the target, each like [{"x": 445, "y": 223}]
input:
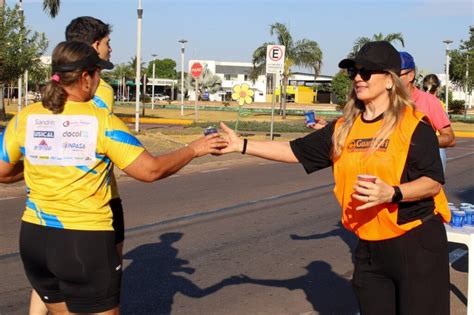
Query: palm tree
[
  {"x": 51, "y": 7},
  {"x": 304, "y": 53},
  {"x": 208, "y": 82},
  {"x": 361, "y": 41}
]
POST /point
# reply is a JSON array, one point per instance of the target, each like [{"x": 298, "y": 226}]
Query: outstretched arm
[
  {"x": 149, "y": 168},
  {"x": 270, "y": 150}
]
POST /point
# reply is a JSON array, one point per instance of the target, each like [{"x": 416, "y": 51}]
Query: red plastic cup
[{"x": 366, "y": 178}]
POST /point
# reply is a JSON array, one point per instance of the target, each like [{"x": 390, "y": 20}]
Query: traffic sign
[
  {"x": 275, "y": 60},
  {"x": 196, "y": 69}
]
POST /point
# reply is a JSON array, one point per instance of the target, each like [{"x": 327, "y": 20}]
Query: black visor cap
[
  {"x": 90, "y": 62},
  {"x": 375, "y": 56}
]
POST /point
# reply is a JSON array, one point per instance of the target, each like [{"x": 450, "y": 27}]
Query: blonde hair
[{"x": 398, "y": 102}]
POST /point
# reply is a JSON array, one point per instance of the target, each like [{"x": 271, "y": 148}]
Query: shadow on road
[
  {"x": 340, "y": 231},
  {"x": 327, "y": 292},
  {"x": 150, "y": 283}
]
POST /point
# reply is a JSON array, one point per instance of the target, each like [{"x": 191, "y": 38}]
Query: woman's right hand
[{"x": 320, "y": 124}]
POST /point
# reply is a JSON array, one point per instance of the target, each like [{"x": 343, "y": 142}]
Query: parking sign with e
[{"x": 275, "y": 60}]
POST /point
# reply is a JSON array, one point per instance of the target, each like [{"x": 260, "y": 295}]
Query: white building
[
  {"x": 458, "y": 92},
  {"x": 232, "y": 73},
  {"x": 236, "y": 73}
]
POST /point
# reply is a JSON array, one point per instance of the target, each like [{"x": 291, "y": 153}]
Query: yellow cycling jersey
[
  {"x": 68, "y": 162},
  {"x": 104, "y": 98}
]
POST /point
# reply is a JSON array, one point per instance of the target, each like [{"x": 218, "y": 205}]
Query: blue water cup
[
  {"x": 469, "y": 217},
  {"x": 457, "y": 220},
  {"x": 210, "y": 130},
  {"x": 310, "y": 119}
]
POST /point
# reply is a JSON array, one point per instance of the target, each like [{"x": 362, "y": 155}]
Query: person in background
[
  {"x": 431, "y": 85},
  {"x": 401, "y": 261},
  {"x": 67, "y": 238},
  {"x": 428, "y": 104}
]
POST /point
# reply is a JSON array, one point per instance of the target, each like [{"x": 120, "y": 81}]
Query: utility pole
[
  {"x": 138, "y": 65},
  {"x": 447, "y": 42}
]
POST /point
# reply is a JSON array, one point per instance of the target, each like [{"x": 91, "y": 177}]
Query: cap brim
[
  {"x": 346, "y": 63},
  {"x": 362, "y": 62},
  {"x": 104, "y": 64}
]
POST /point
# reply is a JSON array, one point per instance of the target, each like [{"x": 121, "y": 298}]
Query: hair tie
[{"x": 55, "y": 78}]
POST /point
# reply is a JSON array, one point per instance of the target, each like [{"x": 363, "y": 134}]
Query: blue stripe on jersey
[
  {"x": 3, "y": 148},
  {"x": 99, "y": 102},
  {"x": 49, "y": 219},
  {"x": 86, "y": 169},
  {"x": 122, "y": 136},
  {"x": 22, "y": 149},
  {"x": 103, "y": 158}
]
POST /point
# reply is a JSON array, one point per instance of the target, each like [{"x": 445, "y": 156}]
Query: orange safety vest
[{"x": 387, "y": 163}]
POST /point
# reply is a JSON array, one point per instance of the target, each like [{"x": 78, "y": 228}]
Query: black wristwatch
[{"x": 397, "y": 195}]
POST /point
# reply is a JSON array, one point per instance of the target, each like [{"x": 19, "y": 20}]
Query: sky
[{"x": 230, "y": 30}]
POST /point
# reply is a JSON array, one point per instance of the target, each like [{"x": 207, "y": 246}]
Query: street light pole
[
  {"x": 138, "y": 70},
  {"x": 182, "y": 41},
  {"x": 153, "y": 83},
  {"x": 20, "y": 78},
  {"x": 447, "y": 42}
]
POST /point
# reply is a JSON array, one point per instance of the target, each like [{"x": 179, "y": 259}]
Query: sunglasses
[{"x": 364, "y": 73}]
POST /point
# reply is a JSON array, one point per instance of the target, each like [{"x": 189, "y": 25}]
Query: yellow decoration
[{"x": 242, "y": 93}]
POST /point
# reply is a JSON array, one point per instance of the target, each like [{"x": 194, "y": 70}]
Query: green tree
[
  {"x": 164, "y": 69},
  {"x": 304, "y": 53},
  {"x": 341, "y": 86},
  {"x": 20, "y": 50},
  {"x": 361, "y": 41},
  {"x": 462, "y": 61}
]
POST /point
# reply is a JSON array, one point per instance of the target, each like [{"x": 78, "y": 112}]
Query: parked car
[{"x": 161, "y": 97}]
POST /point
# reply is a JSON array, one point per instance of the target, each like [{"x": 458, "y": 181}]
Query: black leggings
[{"x": 408, "y": 274}]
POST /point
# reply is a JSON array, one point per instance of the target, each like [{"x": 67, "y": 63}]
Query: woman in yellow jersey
[
  {"x": 401, "y": 261},
  {"x": 67, "y": 242}
]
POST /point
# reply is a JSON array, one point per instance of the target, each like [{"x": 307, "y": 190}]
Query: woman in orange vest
[{"x": 401, "y": 261}]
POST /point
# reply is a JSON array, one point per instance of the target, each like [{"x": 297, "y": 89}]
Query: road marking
[
  {"x": 459, "y": 156},
  {"x": 221, "y": 210},
  {"x": 456, "y": 255},
  {"x": 6, "y": 198},
  {"x": 215, "y": 170},
  {"x": 174, "y": 175}
]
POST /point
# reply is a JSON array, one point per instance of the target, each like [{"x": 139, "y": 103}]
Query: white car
[{"x": 161, "y": 97}]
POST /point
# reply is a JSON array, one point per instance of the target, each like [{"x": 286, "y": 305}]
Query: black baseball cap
[
  {"x": 91, "y": 61},
  {"x": 375, "y": 56}
]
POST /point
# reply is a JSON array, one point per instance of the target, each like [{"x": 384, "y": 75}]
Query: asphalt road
[{"x": 243, "y": 238}]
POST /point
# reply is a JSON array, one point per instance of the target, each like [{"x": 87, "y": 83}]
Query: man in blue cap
[{"x": 427, "y": 104}]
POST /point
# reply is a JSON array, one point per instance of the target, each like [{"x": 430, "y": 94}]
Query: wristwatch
[{"x": 397, "y": 195}]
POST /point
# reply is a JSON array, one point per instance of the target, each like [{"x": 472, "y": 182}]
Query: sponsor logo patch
[
  {"x": 43, "y": 134},
  {"x": 361, "y": 145}
]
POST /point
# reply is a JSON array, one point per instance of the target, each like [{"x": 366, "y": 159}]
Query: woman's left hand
[{"x": 372, "y": 194}]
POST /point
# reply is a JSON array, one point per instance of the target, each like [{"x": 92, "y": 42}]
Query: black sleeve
[
  {"x": 423, "y": 156},
  {"x": 314, "y": 150},
  {"x": 423, "y": 160}
]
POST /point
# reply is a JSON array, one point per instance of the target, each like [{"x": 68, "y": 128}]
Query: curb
[
  {"x": 464, "y": 134},
  {"x": 147, "y": 120}
]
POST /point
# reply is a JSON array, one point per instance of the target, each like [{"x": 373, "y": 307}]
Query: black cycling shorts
[
  {"x": 81, "y": 268},
  {"x": 117, "y": 220}
]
